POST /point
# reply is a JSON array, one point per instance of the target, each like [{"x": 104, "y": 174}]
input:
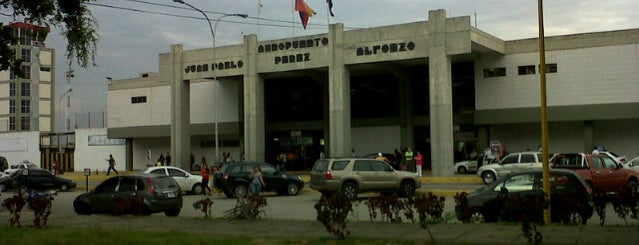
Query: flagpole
[
  {"x": 259, "y": 18},
  {"x": 293, "y": 18},
  {"x": 328, "y": 15}
]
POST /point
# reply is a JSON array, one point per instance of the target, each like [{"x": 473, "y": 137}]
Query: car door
[
  {"x": 615, "y": 178},
  {"x": 272, "y": 178},
  {"x": 103, "y": 198},
  {"x": 181, "y": 177},
  {"x": 384, "y": 176},
  {"x": 527, "y": 161},
  {"x": 363, "y": 171},
  {"x": 125, "y": 195},
  {"x": 508, "y": 164}
]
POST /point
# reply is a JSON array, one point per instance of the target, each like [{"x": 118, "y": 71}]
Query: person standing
[
  {"x": 111, "y": 165},
  {"x": 257, "y": 181},
  {"x": 168, "y": 159},
  {"x": 409, "y": 159},
  {"x": 204, "y": 170},
  {"x": 161, "y": 160},
  {"x": 419, "y": 161}
]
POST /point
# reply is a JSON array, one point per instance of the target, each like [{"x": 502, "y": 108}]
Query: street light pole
[
  {"x": 65, "y": 120},
  {"x": 213, "y": 28}
]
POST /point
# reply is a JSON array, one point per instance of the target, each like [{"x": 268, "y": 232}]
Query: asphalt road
[{"x": 300, "y": 207}]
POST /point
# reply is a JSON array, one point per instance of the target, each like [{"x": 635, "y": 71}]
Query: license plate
[{"x": 171, "y": 194}]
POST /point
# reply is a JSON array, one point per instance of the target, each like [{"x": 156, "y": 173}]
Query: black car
[
  {"x": 132, "y": 194},
  {"x": 487, "y": 205},
  {"x": 234, "y": 179},
  {"x": 3, "y": 164},
  {"x": 37, "y": 179}
]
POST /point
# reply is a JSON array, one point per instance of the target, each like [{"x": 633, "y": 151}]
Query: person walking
[
  {"x": 257, "y": 181},
  {"x": 419, "y": 160},
  {"x": 204, "y": 170},
  {"x": 111, "y": 165}
]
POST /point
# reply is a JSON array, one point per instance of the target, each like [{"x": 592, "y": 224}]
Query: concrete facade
[{"x": 420, "y": 54}]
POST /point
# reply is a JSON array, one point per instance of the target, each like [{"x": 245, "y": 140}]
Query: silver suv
[
  {"x": 513, "y": 162},
  {"x": 352, "y": 176}
]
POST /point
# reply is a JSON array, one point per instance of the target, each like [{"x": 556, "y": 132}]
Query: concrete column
[
  {"x": 180, "y": 112},
  {"x": 441, "y": 96},
  {"x": 483, "y": 138},
  {"x": 406, "y": 111},
  {"x": 589, "y": 138},
  {"x": 254, "y": 128},
  {"x": 339, "y": 96}
]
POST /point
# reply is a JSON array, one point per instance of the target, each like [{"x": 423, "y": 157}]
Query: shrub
[
  {"x": 390, "y": 207},
  {"x": 332, "y": 212},
  {"x": 251, "y": 207},
  {"x": 14, "y": 205},
  {"x": 461, "y": 207}
]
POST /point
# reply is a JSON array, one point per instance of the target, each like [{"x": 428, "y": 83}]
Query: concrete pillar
[
  {"x": 180, "y": 112},
  {"x": 441, "y": 96},
  {"x": 254, "y": 128},
  {"x": 339, "y": 101},
  {"x": 589, "y": 138},
  {"x": 483, "y": 138}
]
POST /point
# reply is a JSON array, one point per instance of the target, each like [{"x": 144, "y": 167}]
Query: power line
[{"x": 192, "y": 17}]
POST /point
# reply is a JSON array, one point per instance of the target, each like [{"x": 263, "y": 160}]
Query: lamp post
[
  {"x": 65, "y": 115},
  {"x": 213, "y": 28}
]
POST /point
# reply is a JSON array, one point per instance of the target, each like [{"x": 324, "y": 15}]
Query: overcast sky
[{"x": 131, "y": 38}]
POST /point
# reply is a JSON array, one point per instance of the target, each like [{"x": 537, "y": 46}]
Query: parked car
[
  {"x": 632, "y": 164},
  {"x": 485, "y": 206},
  {"x": 187, "y": 181},
  {"x": 7, "y": 181},
  {"x": 234, "y": 179},
  {"x": 40, "y": 179},
  {"x": 3, "y": 164},
  {"x": 512, "y": 162},
  {"x": 471, "y": 164},
  {"x": 24, "y": 164},
  {"x": 123, "y": 194},
  {"x": 352, "y": 176},
  {"x": 602, "y": 173}
]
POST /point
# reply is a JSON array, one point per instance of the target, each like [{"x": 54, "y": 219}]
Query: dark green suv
[{"x": 234, "y": 179}]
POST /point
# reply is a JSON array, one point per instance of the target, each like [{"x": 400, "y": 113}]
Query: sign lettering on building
[
  {"x": 226, "y": 65},
  {"x": 292, "y": 45},
  {"x": 386, "y": 48}
]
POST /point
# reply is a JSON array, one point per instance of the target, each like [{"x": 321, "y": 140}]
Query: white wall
[
  {"x": 162, "y": 146},
  {"x": 17, "y": 152},
  {"x": 367, "y": 140},
  {"x": 580, "y": 73},
  {"x": 94, "y": 157}
]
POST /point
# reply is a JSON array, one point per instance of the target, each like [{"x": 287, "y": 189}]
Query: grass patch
[{"x": 57, "y": 235}]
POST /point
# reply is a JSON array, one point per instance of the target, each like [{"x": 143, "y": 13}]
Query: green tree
[{"x": 73, "y": 17}]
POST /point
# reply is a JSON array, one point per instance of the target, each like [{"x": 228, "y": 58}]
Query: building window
[
  {"x": 26, "y": 55},
  {"x": 550, "y": 68},
  {"x": 526, "y": 70},
  {"x": 12, "y": 89},
  {"x": 138, "y": 99},
  {"x": 45, "y": 68},
  {"x": 495, "y": 72},
  {"x": 26, "y": 106},
  {"x": 25, "y": 123},
  {"x": 12, "y": 123},
  {"x": 12, "y": 106},
  {"x": 25, "y": 89},
  {"x": 27, "y": 72}
]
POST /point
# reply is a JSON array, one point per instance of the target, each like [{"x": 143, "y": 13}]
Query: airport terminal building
[{"x": 438, "y": 86}]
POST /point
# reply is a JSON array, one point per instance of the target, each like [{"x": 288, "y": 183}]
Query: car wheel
[
  {"x": 349, "y": 190},
  {"x": 633, "y": 188},
  {"x": 488, "y": 177},
  {"x": 461, "y": 170},
  {"x": 477, "y": 217},
  {"x": 292, "y": 188},
  {"x": 172, "y": 212},
  {"x": 197, "y": 189},
  {"x": 240, "y": 190},
  {"x": 81, "y": 208},
  {"x": 228, "y": 193},
  {"x": 407, "y": 189},
  {"x": 64, "y": 187}
]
